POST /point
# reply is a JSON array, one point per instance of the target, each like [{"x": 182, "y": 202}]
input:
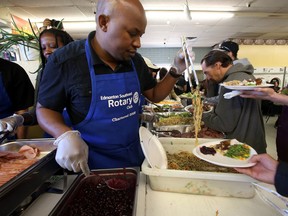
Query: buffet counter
[{"x": 155, "y": 203}]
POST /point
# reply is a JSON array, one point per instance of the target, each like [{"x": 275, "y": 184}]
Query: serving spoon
[{"x": 112, "y": 183}]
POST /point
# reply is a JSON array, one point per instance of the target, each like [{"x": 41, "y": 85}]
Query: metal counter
[{"x": 155, "y": 203}]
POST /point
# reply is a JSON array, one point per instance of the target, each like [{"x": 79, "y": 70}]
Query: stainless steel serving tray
[
  {"x": 15, "y": 191},
  {"x": 74, "y": 195}
]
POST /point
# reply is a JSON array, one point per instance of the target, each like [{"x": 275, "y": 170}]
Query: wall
[
  {"x": 269, "y": 61},
  {"x": 165, "y": 56},
  {"x": 265, "y": 55},
  {"x": 30, "y": 67}
]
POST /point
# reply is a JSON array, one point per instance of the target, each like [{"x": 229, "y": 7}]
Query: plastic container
[{"x": 196, "y": 182}]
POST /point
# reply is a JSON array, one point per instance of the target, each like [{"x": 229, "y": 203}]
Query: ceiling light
[
  {"x": 187, "y": 11},
  {"x": 78, "y": 25},
  {"x": 212, "y": 15},
  {"x": 176, "y": 15}
]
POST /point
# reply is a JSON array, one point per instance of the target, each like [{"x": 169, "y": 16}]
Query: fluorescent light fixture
[
  {"x": 80, "y": 25},
  {"x": 74, "y": 26},
  {"x": 211, "y": 15},
  {"x": 165, "y": 15}
]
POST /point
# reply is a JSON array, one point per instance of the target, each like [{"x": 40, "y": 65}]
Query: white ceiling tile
[{"x": 263, "y": 19}]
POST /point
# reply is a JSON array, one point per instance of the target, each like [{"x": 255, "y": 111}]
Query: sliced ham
[
  {"x": 29, "y": 152},
  {"x": 13, "y": 163}
]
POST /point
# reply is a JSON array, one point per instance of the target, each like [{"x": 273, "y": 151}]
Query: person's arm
[
  {"x": 161, "y": 90},
  {"x": 266, "y": 94},
  {"x": 264, "y": 170},
  {"x": 72, "y": 151},
  {"x": 164, "y": 87},
  {"x": 185, "y": 87},
  {"x": 51, "y": 121},
  {"x": 21, "y": 131},
  {"x": 281, "y": 179}
]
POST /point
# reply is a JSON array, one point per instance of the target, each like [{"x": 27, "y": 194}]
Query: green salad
[{"x": 238, "y": 151}]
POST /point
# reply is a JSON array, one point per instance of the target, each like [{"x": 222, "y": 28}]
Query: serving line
[
  {"x": 155, "y": 203},
  {"x": 171, "y": 204}
]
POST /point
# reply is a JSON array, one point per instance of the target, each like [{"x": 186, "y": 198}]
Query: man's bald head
[{"x": 110, "y": 7}]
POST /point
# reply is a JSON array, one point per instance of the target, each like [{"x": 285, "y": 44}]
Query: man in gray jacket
[{"x": 238, "y": 118}]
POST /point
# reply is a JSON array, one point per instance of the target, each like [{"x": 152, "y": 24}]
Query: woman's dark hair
[
  {"x": 59, "y": 34},
  {"x": 215, "y": 56}
]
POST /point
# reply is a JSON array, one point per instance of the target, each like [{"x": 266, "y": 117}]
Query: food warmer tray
[
  {"x": 16, "y": 190},
  {"x": 196, "y": 182},
  {"x": 77, "y": 197}
]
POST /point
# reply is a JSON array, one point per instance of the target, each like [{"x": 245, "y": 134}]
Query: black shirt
[
  {"x": 17, "y": 84},
  {"x": 66, "y": 79}
]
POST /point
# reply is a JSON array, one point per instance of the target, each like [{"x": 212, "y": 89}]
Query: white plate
[
  {"x": 153, "y": 149},
  {"x": 246, "y": 87},
  {"x": 222, "y": 160}
]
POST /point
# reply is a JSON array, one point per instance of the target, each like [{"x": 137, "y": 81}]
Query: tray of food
[
  {"x": 86, "y": 197},
  {"x": 174, "y": 118},
  {"x": 164, "y": 106},
  {"x": 186, "y": 131},
  {"x": 188, "y": 174},
  {"x": 24, "y": 166}
]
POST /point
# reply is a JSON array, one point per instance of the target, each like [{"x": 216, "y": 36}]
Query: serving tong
[
  {"x": 188, "y": 60},
  {"x": 260, "y": 191}
]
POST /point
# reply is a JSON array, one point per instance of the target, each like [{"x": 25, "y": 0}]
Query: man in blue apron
[
  {"x": 16, "y": 93},
  {"x": 100, "y": 81}
]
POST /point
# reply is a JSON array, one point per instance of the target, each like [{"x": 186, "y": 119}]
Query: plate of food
[
  {"x": 245, "y": 84},
  {"x": 228, "y": 153}
]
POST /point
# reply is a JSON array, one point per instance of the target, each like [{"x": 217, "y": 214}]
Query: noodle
[{"x": 197, "y": 112}]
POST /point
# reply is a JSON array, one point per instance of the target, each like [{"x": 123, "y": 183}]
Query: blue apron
[
  {"x": 5, "y": 102},
  {"x": 111, "y": 127}
]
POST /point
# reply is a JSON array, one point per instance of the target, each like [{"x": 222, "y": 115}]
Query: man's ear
[{"x": 102, "y": 22}]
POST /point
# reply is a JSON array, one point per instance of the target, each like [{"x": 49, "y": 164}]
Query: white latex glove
[
  {"x": 179, "y": 60},
  {"x": 72, "y": 152},
  {"x": 11, "y": 123}
]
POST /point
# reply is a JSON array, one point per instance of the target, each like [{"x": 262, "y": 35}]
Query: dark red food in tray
[{"x": 86, "y": 197}]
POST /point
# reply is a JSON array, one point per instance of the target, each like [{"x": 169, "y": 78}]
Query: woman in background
[{"x": 50, "y": 39}]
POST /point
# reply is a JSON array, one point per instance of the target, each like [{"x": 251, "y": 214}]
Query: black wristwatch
[{"x": 173, "y": 73}]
